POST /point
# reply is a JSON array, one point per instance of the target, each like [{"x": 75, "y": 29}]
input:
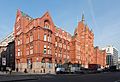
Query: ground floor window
[{"x": 29, "y": 63}]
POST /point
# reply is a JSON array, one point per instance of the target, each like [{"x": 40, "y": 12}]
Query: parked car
[{"x": 60, "y": 70}]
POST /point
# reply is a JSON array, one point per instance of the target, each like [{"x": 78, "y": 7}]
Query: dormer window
[{"x": 46, "y": 24}]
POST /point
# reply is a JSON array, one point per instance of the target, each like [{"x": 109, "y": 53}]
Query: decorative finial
[{"x": 83, "y": 19}]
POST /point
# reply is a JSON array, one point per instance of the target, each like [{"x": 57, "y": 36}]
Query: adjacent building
[
  {"x": 99, "y": 57},
  {"x": 7, "y": 52},
  {"x": 2, "y": 58},
  {"x": 7, "y": 39},
  {"x": 112, "y": 55},
  {"x": 40, "y": 46},
  {"x": 118, "y": 62}
]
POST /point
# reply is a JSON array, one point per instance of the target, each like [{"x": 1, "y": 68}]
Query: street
[{"x": 100, "y": 77}]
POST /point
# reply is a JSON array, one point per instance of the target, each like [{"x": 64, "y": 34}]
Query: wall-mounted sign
[{"x": 3, "y": 61}]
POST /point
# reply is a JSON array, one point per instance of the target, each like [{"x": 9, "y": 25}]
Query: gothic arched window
[{"x": 47, "y": 24}]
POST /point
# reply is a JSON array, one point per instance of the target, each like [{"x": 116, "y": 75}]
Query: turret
[{"x": 83, "y": 18}]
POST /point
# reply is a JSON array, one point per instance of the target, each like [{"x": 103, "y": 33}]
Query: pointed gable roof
[
  {"x": 22, "y": 14},
  {"x": 18, "y": 15},
  {"x": 18, "y": 12},
  {"x": 47, "y": 16}
]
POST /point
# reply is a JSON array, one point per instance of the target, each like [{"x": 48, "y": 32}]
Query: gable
[{"x": 47, "y": 18}]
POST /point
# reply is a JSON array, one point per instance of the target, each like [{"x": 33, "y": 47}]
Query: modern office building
[
  {"x": 112, "y": 55},
  {"x": 7, "y": 39},
  {"x": 40, "y": 46},
  {"x": 118, "y": 62},
  {"x": 7, "y": 52}
]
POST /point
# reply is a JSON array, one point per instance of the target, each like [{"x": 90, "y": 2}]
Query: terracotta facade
[{"x": 40, "y": 45}]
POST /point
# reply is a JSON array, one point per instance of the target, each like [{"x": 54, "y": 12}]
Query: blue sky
[{"x": 102, "y": 16}]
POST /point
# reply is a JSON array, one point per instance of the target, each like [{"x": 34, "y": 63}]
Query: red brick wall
[{"x": 76, "y": 49}]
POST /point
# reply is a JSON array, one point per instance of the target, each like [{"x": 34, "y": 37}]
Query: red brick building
[
  {"x": 40, "y": 45},
  {"x": 82, "y": 48},
  {"x": 100, "y": 57}
]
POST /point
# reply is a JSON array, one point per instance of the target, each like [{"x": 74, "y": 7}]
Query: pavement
[
  {"x": 13, "y": 73},
  {"x": 18, "y": 73},
  {"x": 100, "y": 77}
]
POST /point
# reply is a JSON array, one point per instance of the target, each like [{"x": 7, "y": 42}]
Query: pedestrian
[
  {"x": 44, "y": 70},
  {"x": 25, "y": 71},
  {"x": 10, "y": 70},
  {"x": 16, "y": 69}
]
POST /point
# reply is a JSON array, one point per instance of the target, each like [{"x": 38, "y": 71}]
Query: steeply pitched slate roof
[{"x": 26, "y": 15}]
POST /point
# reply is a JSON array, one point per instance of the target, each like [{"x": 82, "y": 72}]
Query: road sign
[{"x": 3, "y": 61}]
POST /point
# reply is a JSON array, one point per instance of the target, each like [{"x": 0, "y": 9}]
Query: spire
[
  {"x": 83, "y": 19},
  {"x": 91, "y": 30},
  {"x": 18, "y": 12}
]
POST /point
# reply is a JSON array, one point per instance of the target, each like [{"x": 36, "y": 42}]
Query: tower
[{"x": 83, "y": 18}]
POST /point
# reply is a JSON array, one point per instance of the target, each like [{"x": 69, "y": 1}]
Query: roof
[{"x": 26, "y": 15}]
